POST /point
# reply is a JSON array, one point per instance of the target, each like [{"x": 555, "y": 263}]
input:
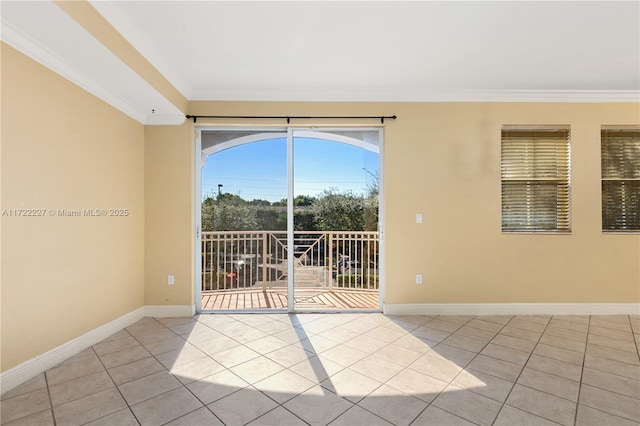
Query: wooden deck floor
[{"x": 277, "y": 299}]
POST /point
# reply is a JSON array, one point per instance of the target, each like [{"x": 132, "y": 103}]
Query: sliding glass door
[{"x": 289, "y": 220}]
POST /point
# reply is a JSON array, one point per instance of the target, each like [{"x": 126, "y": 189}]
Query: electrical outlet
[
  {"x": 419, "y": 279},
  {"x": 170, "y": 279},
  {"x": 418, "y": 217}
]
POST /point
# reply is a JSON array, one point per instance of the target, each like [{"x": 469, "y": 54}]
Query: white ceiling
[
  {"x": 362, "y": 51},
  {"x": 383, "y": 50}
]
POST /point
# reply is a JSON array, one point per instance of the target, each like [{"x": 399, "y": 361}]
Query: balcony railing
[{"x": 346, "y": 260}]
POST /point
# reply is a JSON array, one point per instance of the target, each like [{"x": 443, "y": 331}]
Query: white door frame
[{"x": 314, "y": 132}]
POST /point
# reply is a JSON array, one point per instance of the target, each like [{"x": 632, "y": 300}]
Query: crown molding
[
  {"x": 32, "y": 41},
  {"x": 556, "y": 96},
  {"x": 30, "y": 47},
  {"x": 419, "y": 96}
]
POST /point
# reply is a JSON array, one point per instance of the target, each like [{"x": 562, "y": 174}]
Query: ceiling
[{"x": 350, "y": 51}]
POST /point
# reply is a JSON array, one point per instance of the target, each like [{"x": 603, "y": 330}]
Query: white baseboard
[
  {"x": 512, "y": 309},
  {"x": 31, "y": 368},
  {"x": 170, "y": 311}
]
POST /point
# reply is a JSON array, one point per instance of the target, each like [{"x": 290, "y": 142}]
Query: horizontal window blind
[
  {"x": 620, "y": 149},
  {"x": 536, "y": 180}
]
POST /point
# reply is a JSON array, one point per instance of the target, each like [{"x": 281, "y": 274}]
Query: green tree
[
  {"x": 259, "y": 202},
  {"x": 269, "y": 218},
  {"x": 339, "y": 211},
  {"x": 304, "y": 200},
  {"x": 228, "y": 212},
  {"x": 304, "y": 220}
]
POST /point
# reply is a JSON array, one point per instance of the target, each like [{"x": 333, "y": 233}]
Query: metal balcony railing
[{"x": 233, "y": 260}]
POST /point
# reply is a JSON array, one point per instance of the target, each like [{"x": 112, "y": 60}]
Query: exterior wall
[{"x": 62, "y": 148}]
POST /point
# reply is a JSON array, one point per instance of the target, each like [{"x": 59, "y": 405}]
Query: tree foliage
[
  {"x": 339, "y": 211},
  {"x": 330, "y": 211}
]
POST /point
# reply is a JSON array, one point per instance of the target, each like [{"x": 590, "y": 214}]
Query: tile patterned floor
[{"x": 345, "y": 369}]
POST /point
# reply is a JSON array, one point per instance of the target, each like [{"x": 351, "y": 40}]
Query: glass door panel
[
  {"x": 336, "y": 183},
  {"x": 244, "y": 220}
]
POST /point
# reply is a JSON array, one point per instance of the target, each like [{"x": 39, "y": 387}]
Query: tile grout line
[
  {"x": 333, "y": 326},
  {"x": 633, "y": 335},
  {"x": 165, "y": 369},
  {"x": 252, "y": 385},
  {"x": 386, "y": 344},
  {"x": 515, "y": 382},
  {"x": 357, "y": 404},
  {"x": 79, "y": 377},
  {"x": 584, "y": 358},
  {"x": 284, "y": 408},
  {"x": 450, "y": 381},
  {"x": 488, "y": 356},
  {"x": 46, "y": 382},
  {"x": 368, "y": 355},
  {"x": 115, "y": 384},
  {"x": 403, "y": 369},
  {"x": 183, "y": 385},
  {"x": 169, "y": 372},
  {"x": 363, "y": 333}
]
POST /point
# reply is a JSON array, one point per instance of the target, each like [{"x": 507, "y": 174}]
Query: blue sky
[{"x": 259, "y": 169}]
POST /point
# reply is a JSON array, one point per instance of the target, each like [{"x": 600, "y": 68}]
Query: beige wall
[
  {"x": 169, "y": 225},
  {"x": 65, "y": 149},
  {"x": 443, "y": 160},
  {"x": 448, "y": 156}
]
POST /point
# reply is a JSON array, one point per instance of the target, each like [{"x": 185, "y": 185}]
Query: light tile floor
[{"x": 345, "y": 369}]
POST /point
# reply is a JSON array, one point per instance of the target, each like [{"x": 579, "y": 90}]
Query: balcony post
[
  {"x": 331, "y": 261},
  {"x": 264, "y": 261}
]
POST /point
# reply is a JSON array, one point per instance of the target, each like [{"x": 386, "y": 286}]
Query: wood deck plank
[{"x": 277, "y": 299}]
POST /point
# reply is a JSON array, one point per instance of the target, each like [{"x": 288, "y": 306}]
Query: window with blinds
[
  {"x": 536, "y": 179},
  {"x": 620, "y": 148}
]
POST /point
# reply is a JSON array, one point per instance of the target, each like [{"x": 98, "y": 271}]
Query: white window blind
[
  {"x": 536, "y": 179},
  {"x": 620, "y": 158}
]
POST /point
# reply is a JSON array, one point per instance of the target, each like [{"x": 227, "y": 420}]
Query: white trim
[
  {"x": 131, "y": 33},
  {"x": 419, "y": 96},
  {"x": 290, "y": 222},
  {"x": 164, "y": 119},
  {"x": 161, "y": 311},
  {"x": 214, "y": 149},
  {"x": 31, "y": 368},
  {"x": 132, "y": 95},
  {"x": 44, "y": 56},
  {"x": 328, "y": 136},
  {"x": 512, "y": 309},
  {"x": 382, "y": 270},
  {"x": 197, "y": 219}
]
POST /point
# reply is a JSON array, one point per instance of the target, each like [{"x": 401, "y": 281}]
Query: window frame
[
  {"x": 603, "y": 178},
  {"x": 559, "y": 179}
]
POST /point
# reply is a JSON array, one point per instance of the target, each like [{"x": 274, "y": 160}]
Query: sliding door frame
[{"x": 290, "y": 134}]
